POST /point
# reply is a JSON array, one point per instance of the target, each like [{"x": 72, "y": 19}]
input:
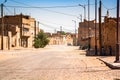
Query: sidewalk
[{"x": 109, "y": 61}]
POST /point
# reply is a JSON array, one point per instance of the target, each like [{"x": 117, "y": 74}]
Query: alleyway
[{"x": 53, "y": 63}]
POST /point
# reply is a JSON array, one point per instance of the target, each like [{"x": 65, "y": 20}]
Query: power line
[
  {"x": 43, "y": 7},
  {"x": 59, "y": 12},
  {"x": 108, "y": 8},
  {"x": 19, "y": 2},
  {"x": 49, "y": 26},
  {"x": 8, "y": 10},
  {"x": 44, "y": 10},
  {"x": 91, "y": 4},
  {"x": 55, "y": 23}
]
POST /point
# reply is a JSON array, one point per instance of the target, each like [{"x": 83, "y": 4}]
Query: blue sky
[{"x": 54, "y": 20}]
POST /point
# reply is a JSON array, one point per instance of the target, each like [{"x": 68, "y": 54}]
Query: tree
[
  {"x": 63, "y": 33},
  {"x": 41, "y": 40}
]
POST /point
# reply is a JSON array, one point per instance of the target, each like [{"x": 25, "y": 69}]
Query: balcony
[
  {"x": 26, "y": 33},
  {"x": 26, "y": 26}
]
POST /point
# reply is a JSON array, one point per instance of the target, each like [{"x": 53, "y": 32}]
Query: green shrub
[{"x": 41, "y": 40}]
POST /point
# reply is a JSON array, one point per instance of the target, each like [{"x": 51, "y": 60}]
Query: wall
[
  {"x": 5, "y": 43},
  {"x": 24, "y": 31},
  {"x": 83, "y": 31},
  {"x": 109, "y": 34}
]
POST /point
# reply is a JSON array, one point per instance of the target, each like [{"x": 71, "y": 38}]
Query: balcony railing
[{"x": 26, "y": 33}]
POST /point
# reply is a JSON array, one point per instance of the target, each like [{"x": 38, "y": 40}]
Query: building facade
[
  {"x": 19, "y": 31},
  {"x": 84, "y": 35},
  {"x": 109, "y": 34},
  {"x": 58, "y": 39}
]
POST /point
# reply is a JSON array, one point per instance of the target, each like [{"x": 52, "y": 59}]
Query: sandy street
[{"x": 53, "y": 63}]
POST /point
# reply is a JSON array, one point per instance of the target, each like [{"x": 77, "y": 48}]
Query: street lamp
[
  {"x": 83, "y": 6},
  {"x": 84, "y": 10},
  {"x": 75, "y": 33},
  {"x": 80, "y": 17},
  {"x": 2, "y": 25}
]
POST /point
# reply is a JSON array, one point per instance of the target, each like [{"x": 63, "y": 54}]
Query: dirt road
[{"x": 53, "y": 63}]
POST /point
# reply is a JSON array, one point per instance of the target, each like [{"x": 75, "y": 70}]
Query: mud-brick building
[
  {"x": 109, "y": 34},
  {"x": 59, "y": 39},
  {"x": 83, "y": 35},
  {"x": 10, "y": 38},
  {"x": 19, "y": 31}
]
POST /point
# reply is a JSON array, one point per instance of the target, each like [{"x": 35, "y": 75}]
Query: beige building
[
  {"x": 58, "y": 39},
  {"x": 19, "y": 31}
]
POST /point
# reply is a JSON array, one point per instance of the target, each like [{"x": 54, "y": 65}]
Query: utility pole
[
  {"x": 14, "y": 12},
  {"x": 2, "y": 25},
  {"x": 108, "y": 13},
  {"x": 117, "y": 33},
  {"x": 88, "y": 25},
  {"x": 21, "y": 30},
  {"x": 2, "y": 28},
  {"x": 84, "y": 10},
  {"x": 38, "y": 26},
  {"x": 84, "y": 19},
  {"x": 55, "y": 31},
  {"x": 75, "y": 33},
  {"x": 100, "y": 33},
  {"x": 84, "y": 16},
  {"x": 81, "y": 17},
  {"x": 35, "y": 29},
  {"x": 61, "y": 29},
  {"x": 95, "y": 27}
]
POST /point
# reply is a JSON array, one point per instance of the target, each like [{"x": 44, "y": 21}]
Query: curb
[{"x": 111, "y": 65}]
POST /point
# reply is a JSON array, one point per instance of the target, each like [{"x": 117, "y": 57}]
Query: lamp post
[
  {"x": 75, "y": 33},
  {"x": 2, "y": 25},
  {"x": 117, "y": 33},
  {"x": 80, "y": 17},
  {"x": 84, "y": 15},
  {"x": 84, "y": 10}
]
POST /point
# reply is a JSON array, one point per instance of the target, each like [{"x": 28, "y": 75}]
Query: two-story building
[
  {"x": 84, "y": 35},
  {"x": 19, "y": 31}
]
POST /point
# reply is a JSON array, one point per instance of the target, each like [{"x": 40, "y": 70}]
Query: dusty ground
[{"x": 53, "y": 63}]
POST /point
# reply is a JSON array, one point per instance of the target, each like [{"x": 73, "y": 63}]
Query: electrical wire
[
  {"x": 55, "y": 23},
  {"x": 44, "y": 10},
  {"x": 92, "y": 4},
  {"x": 49, "y": 26},
  {"x": 19, "y": 2},
  {"x": 43, "y": 7},
  {"x": 8, "y": 10},
  {"x": 108, "y": 8}
]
